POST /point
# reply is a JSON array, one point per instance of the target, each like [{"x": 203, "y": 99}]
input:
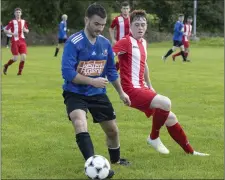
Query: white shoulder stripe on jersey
[
  {"x": 135, "y": 63},
  {"x": 75, "y": 41},
  {"x": 77, "y": 38},
  {"x": 121, "y": 27}
]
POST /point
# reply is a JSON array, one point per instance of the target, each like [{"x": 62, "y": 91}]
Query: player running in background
[
  {"x": 177, "y": 38},
  {"x": 186, "y": 37},
  {"x": 2, "y": 30},
  {"x": 120, "y": 25},
  {"x": 16, "y": 28},
  {"x": 62, "y": 33},
  {"x": 134, "y": 74},
  {"x": 87, "y": 60}
]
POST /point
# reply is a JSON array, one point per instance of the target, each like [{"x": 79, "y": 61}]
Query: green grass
[{"x": 38, "y": 140}]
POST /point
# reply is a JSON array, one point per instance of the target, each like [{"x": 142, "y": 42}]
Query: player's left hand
[
  {"x": 25, "y": 30},
  {"x": 125, "y": 98}
]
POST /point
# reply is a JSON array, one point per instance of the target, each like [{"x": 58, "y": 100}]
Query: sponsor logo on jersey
[{"x": 91, "y": 68}]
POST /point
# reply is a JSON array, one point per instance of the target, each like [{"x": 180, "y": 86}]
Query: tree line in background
[{"x": 44, "y": 15}]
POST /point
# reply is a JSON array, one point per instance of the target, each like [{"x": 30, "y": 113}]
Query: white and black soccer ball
[{"x": 97, "y": 167}]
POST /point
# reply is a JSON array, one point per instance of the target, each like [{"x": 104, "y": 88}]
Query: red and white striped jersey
[
  {"x": 122, "y": 26},
  {"x": 187, "y": 32},
  {"x": 17, "y": 27},
  {"x": 132, "y": 56}
]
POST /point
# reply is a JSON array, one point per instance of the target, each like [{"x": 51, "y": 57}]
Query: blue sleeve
[
  {"x": 61, "y": 28},
  {"x": 176, "y": 27},
  {"x": 69, "y": 61},
  {"x": 111, "y": 73}
]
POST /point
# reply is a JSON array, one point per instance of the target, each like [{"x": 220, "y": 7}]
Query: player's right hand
[
  {"x": 99, "y": 82},
  {"x": 15, "y": 34}
]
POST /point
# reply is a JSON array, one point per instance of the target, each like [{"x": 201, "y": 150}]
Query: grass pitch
[{"x": 38, "y": 140}]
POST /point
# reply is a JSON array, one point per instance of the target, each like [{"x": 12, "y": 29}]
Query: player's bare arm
[
  {"x": 123, "y": 96},
  {"x": 112, "y": 35},
  {"x": 147, "y": 77},
  {"x": 99, "y": 82},
  {"x": 9, "y": 32}
]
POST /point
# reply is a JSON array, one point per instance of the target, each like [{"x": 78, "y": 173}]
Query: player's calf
[{"x": 10, "y": 62}]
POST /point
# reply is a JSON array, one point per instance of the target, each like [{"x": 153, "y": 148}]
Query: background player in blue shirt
[
  {"x": 177, "y": 38},
  {"x": 86, "y": 62},
  {"x": 62, "y": 33}
]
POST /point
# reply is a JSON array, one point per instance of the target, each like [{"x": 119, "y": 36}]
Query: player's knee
[
  {"x": 161, "y": 102},
  {"x": 171, "y": 120},
  {"x": 174, "y": 48},
  {"x": 113, "y": 132},
  {"x": 166, "y": 103},
  {"x": 23, "y": 57},
  {"x": 15, "y": 58}
]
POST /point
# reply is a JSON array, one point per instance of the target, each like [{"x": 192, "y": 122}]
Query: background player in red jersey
[
  {"x": 134, "y": 74},
  {"x": 186, "y": 37},
  {"x": 16, "y": 28},
  {"x": 120, "y": 25}
]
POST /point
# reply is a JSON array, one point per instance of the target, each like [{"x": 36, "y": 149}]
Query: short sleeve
[
  {"x": 9, "y": 26},
  {"x": 121, "y": 46},
  {"x": 114, "y": 23}
]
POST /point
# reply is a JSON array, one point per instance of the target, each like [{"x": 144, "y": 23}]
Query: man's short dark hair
[
  {"x": 181, "y": 15},
  {"x": 96, "y": 9},
  {"x": 138, "y": 14},
  {"x": 17, "y": 9},
  {"x": 124, "y": 4}
]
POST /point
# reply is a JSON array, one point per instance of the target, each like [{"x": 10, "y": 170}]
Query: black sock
[
  {"x": 7, "y": 41},
  {"x": 114, "y": 155},
  {"x": 184, "y": 57},
  {"x": 85, "y": 144},
  {"x": 168, "y": 53},
  {"x": 56, "y": 51}
]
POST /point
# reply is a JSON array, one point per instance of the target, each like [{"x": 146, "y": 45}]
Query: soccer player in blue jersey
[
  {"x": 62, "y": 33},
  {"x": 177, "y": 39},
  {"x": 86, "y": 62}
]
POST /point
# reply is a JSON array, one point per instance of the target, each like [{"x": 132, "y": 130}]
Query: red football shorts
[
  {"x": 19, "y": 47},
  {"x": 141, "y": 99},
  {"x": 186, "y": 44}
]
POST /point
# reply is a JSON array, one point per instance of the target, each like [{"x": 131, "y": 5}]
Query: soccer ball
[{"x": 97, "y": 167}]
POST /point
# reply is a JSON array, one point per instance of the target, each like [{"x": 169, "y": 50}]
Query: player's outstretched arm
[
  {"x": 147, "y": 78},
  {"x": 123, "y": 96},
  {"x": 112, "y": 35}
]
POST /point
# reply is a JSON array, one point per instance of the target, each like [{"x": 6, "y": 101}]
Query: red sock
[
  {"x": 177, "y": 133},
  {"x": 186, "y": 54},
  {"x": 159, "y": 118},
  {"x": 9, "y": 62},
  {"x": 178, "y": 54},
  {"x": 21, "y": 66}
]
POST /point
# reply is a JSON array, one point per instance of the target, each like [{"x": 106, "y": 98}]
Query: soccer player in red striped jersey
[
  {"x": 120, "y": 25},
  {"x": 186, "y": 37},
  {"x": 16, "y": 28},
  {"x": 135, "y": 81}
]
